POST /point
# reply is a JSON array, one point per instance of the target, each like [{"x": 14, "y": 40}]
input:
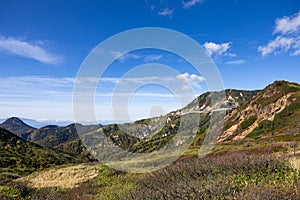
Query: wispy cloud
[
  {"x": 32, "y": 96},
  {"x": 276, "y": 46},
  {"x": 150, "y": 5},
  {"x": 153, "y": 57},
  {"x": 167, "y": 12},
  {"x": 287, "y": 39},
  {"x": 28, "y": 50},
  {"x": 124, "y": 57},
  {"x": 235, "y": 62},
  {"x": 28, "y": 86},
  {"x": 191, "y": 3},
  {"x": 287, "y": 24},
  {"x": 218, "y": 49},
  {"x": 162, "y": 7}
]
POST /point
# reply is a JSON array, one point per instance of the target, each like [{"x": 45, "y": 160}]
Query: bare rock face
[{"x": 263, "y": 107}]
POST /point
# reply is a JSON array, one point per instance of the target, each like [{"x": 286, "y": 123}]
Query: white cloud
[
  {"x": 276, "y": 46},
  {"x": 127, "y": 56},
  {"x": 235, "y": 62},
  {"x": 230, "y": 54},
  {"x": 190, "y": 81},
  {"x": 123, "y": 57},
  {"x": 218, "y": 49},
  {"x": 288, "y": 39},
  {"x": 28, "y": 50},
  {"x": 166, "y": 12},
  {"x": 153, "y": 57},
  {"x": 191, "y": 3},
  {"x": 287, "y": 24},
  {"x": 190, "y": 77},
  {"x": 296, "y": 53},
  {"x": 296, "y": 46},
  {"x": 116, "y": 54}
]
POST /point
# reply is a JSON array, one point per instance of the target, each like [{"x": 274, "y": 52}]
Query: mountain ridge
[
  {"x": 40, "y": 123},
  {"x": 241, "y": 120},
  {"x": 66, "y": 137},
  {"x": 50, "y": 136}
]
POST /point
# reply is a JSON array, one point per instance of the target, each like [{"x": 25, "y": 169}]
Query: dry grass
[
  {"x": 295, "y": 162},
  {"x": 68, "y": 177}
]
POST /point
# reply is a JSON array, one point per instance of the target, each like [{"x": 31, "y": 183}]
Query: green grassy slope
[{"x": 19, "y": 157}]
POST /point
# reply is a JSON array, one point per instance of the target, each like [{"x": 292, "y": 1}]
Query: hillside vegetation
[
  {"x": 256, "y": 173},
  {"x": 19, "y": 157}
]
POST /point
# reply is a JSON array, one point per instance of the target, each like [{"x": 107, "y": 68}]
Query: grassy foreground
[{"x": 255, "y": 173}]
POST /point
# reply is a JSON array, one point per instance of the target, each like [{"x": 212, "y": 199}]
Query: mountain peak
[
  {"x": 14, "y": 121},
  {"x": 18, "y": 127}
]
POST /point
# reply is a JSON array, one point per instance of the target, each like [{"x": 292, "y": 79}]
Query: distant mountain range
[
  {"x": 61, "y": 138},
  {"x": 41, "y": 123}
]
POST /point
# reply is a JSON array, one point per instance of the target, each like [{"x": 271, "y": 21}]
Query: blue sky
[{"x": 43, "y": 43}]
